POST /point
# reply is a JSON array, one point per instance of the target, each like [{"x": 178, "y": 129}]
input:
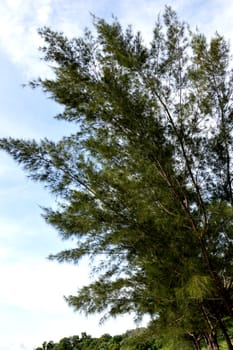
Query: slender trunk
[
  {"x": 211, "y": 336},
  {"x": 196, "y": 344},
  {"x": 225, "y": 334},
  {"x": 211, "y": 340}
]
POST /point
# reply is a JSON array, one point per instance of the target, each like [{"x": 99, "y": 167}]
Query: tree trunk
[
  {"x": 225, "y": 334},
  {"x": 211, "y": 340},
  {"x": 196, "y": 344},
  {"x": 211, "y": 336}
]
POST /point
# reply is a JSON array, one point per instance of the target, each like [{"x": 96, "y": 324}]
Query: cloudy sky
[{"x": 32, "y": 308}]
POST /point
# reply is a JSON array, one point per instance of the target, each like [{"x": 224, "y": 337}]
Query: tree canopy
[
  {"x": 144, "y": 182},
  {"x": 130, "y": 340}
]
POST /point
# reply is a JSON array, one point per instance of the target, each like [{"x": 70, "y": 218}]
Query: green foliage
[
  {"x": 144, "y": 183},
  {"x": 131, "y": 340}
]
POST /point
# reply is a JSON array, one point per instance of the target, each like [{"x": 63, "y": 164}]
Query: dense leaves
[
  {"x": 131, "y": 340},
  {"x": 144, "y": 183}
]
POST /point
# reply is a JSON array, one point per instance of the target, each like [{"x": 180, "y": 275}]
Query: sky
[{"x": 32, "y": 307}]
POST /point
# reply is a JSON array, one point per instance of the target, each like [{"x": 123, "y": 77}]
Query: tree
[
  {"x": 145, "y": 181},
  {"x": 130, "y": 340}
]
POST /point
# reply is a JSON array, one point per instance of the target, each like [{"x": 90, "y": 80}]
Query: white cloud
[
  {"x": 4, "y": 253},
  {"x": 44, "y": 12},
  {"x": 39, "y": 286},
  {"x": 32, "y": 305},
  {"x": 20, "y": 19}
]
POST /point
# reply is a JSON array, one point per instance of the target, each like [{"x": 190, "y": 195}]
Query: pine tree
[{"x": 145, "y": 180}]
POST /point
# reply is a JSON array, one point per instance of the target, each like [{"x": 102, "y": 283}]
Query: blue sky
[{"x": 32, "y": 308}]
